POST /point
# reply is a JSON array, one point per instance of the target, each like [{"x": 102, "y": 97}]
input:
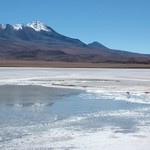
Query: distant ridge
[{"x": 96, "y": 44}]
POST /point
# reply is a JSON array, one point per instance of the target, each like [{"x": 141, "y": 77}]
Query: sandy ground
[{"x": 57, "y": 64}]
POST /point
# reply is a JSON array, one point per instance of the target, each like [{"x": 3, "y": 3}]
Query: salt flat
[
  {"x": 56, "y": 108},
  {"x": 133, "y": 83},
  {"x": 101, "y": 79}
]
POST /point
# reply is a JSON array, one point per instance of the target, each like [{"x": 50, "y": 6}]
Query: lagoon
[{"x": 48, "y": 108}]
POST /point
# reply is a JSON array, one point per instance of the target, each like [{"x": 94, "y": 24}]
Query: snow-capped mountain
[
  {"x": 36, "y": 25},
  {"x": 2, "y": 26},
  {"x": 38, "y": 41},
  {"x": 37, "y": 32}
]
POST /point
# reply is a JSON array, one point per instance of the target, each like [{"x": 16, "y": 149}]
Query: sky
[{"x": 117, "y": 24}]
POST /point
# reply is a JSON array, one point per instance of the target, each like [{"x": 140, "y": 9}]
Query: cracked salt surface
[{"x": 44, "y": 108}]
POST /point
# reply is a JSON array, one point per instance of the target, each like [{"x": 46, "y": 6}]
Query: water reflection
[
  {"x": 37, "y": 109},
  {"x": 29, "y": 95},
  {"x": 31, "y": 104}
]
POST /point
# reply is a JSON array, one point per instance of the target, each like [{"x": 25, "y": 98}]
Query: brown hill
[{"x": 38, "y": 42}]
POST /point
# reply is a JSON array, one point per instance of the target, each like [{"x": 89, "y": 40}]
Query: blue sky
[{"x": 117, "y": 24}]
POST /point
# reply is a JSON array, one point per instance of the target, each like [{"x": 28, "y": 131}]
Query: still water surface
[{"x": 31, "y": 110}]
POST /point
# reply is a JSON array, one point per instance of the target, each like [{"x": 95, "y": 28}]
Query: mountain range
[{"x": 37, "y": 41}]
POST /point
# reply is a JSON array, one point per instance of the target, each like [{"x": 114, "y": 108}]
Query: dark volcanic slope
[{"x": 37, "y": 41}]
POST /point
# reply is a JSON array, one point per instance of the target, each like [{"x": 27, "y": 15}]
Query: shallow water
[{"x": 37, "y": 117}]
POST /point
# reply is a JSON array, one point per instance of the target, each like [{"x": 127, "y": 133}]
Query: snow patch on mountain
[
  {"x": 38, "y": 26},
  {"x": 2, "y": 26},
  {"x": 18, "y": 26}
]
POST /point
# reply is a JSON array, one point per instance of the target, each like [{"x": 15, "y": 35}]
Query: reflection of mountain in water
[
  {"x": 35, "y": 96},
  {"x": 36, "y": 107},
  {"x": 31, "y": 104}
]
